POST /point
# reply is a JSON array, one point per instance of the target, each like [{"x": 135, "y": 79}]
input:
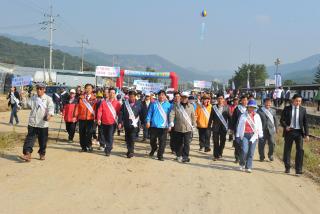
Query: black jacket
[
  {"x": 214, "y": 121},
  {"x": 16, "y": 94},
  {"x": 235, "y": 118},
  {"x": 145, "y": 110},
  {"x": 285, "y": 119},
  {"x": 124, "y": 114}
]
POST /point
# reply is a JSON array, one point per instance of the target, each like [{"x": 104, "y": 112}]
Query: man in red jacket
[
  {"x": 68, "y": 114},
  {"x": 107, "y": 117}
]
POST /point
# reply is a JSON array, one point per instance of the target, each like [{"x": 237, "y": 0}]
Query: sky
[{"x": 288, "y": 29}]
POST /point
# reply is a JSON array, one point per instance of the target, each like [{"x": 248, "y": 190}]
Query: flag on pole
[{"x": 233, "y": 86}]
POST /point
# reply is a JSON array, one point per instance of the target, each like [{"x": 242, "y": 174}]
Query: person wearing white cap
[
  {"x": 182, "y": 118},
  {"x": 68, "y": 114},
  {"x": 42, "y": 109}
]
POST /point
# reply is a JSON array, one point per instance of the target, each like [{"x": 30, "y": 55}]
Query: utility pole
[
  {"x": 83, "y": 42},
  {"x": 44, "y": 69},
  {"x": 64, "y": 60},
  {"x": 49, "y": 25}
]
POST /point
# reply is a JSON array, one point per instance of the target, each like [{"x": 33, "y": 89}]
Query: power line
[
  {"x": 18, "y": 26},
  {"x": 33, "y": 6}
]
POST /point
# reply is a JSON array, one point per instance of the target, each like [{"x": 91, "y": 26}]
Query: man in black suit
[
  {"x": 295, "y": 128},
  {"x": 219, "y": 123}
]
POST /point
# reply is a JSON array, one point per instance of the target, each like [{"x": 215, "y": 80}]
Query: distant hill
[
  {"x": 27, "y": 55},
  {"x": 301, "y": 72},
  {"x": 133, "y": 61}
]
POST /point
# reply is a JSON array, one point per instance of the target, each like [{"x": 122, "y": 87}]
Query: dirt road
[{"x": 73, "y": 182}]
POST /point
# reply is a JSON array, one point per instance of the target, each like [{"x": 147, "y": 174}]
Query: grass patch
[
  {"x": 311, "y": 161},
  {"x": 10, "y": 139},
  {"x": 314, "y": 130}
]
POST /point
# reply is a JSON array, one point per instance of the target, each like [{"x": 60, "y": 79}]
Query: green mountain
[
  {"x": 132, "y": 61},
  {"x": 301, "y": 72},
  {"x": 22, "y": 54}
]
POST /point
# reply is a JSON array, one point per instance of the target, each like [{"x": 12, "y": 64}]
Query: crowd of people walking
[{"x": 100, "y": 113}]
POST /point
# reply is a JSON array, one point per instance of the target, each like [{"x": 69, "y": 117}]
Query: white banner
[
  {"x": 21, "y": 81},
  {"x": 104, "y": 71},
  {"x": 149, "y": 86},
  {"x": 201, "y": 84},
  {"x": 136, "y": 82},
  {"x": 278, "y": 80}
]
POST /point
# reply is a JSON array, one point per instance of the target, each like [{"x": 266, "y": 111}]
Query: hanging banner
[
  {"x": 105, "y": 71},
  {"x": 201, "y": 84},
  {"x": 136, "y": 82},
  {"x": 278, "y": 80},
  {"x": 147, "y": 74},
  {"x": 149, "y": 86},
  {"x": 21, "y": 81}
]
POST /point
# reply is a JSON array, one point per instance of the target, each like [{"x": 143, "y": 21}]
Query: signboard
[
  {"x": 136, "y": 82},
  {"x": 269, "y": 82},
  {"x": 201, "y": 84},
  {"x": 149, "y": 86},
  {"x": 104, "y": 71},
  {"x": 147, "y": 74},
  {"x": 21, "y": 81}
]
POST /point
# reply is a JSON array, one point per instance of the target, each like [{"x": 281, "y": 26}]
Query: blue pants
[
  {"x": 14, "y": 110},
  {"x": 248, "y": 149}
]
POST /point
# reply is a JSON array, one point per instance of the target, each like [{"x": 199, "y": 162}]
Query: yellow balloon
[{"x": 204, "y": 13}]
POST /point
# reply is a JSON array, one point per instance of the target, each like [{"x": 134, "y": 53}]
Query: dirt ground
[{"x": 72, "y": 182}]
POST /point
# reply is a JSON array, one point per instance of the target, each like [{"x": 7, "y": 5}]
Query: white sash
[
  {"x": 57, "y": 95},
  {"x": 41, "y": 104},
  {"x": 268, "y": 113},
  {"x": 131, "y": 115},
  {"x": 163, "y": 114},
  {"x": 252, "y": 124},
  {"x": 15, "y": 99},
  {"x": 224, "y": 122},
  {"x": 185, "y": 115},
  {"x": 89, "y": 107},
  {"x": 241, "y": 109},
  {"x": 113, "y": 111},
  {"x": 205, "y": 111}
]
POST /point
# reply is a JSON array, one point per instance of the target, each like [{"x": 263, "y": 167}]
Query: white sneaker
[
  {"x": 248, "y": 170},
  {"x": 179, "y": 159},
  {"x": 241, "y": 168}
]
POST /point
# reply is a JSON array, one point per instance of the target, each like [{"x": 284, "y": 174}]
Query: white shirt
[
  {"x": 297, "y": 118},
  {"x": 278, "y": 92}
]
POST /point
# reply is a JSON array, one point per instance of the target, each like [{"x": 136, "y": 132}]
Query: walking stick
[{"x": 59, "y": 129}]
